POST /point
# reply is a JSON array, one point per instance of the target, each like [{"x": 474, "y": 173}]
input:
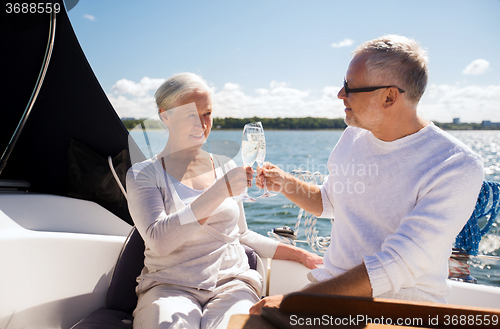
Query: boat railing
[{"x": 290, "y": 236}]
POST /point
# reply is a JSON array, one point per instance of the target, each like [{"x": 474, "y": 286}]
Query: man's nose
[{"x": 342, "y": 94}]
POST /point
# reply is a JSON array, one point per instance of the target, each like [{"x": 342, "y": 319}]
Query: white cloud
[
  {"x": 136, "y": 107},
  {"x": 89, "y": 17},
  {"x": 142, "y": 88},
  {"x": 469, "y": 103},
  {"x": 478, "y": 66},
  {"x": 279, "y": 100},
  {"x": 135, "y": 99},
  {"x": 440, "y": 102},
  {"x": 343, "y": 43},
  {"x": 231, "y": 86},
  {"x": 131, "y": 99}
]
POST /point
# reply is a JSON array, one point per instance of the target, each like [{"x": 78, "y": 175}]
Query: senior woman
[{"x": 196, "y": 272}]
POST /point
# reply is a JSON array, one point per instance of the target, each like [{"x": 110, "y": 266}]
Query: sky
[{"x": 287, "y": 58}]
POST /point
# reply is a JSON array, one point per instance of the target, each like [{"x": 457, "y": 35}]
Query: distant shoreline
[{"x": 307, "y": 123}]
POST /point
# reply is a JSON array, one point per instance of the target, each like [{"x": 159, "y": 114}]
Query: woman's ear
[{"x": 163, "y": 115}]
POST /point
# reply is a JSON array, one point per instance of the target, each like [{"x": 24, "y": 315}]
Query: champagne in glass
[
  {"x": 250, "y": 150},
  {"x": 250, "y": 146}
]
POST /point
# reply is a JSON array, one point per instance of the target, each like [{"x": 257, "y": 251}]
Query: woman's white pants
[{"x": 171, "y": 306}]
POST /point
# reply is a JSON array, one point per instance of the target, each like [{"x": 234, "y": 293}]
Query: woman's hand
[
  {"x": 310, "y": 260},
  {"x": 238, "y": 179},
  {"x": 299, "y": 255},
  {"x": 232, "y": 184},
  {"x": 274, "y": 177}
]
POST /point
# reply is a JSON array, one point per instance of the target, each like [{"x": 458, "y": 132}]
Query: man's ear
[{"x": 390, "y": 97}]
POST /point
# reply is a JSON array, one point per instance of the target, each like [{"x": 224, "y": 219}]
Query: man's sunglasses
[{"x": 366, "y": 89}]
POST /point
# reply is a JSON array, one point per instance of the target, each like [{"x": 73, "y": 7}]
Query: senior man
[{"x": 400, "y": 189}]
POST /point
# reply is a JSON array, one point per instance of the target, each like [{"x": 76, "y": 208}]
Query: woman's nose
[{"x": 203, "y": 124}]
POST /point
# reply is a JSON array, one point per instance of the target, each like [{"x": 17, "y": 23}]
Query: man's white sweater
[{"x": 398, "y": 207}]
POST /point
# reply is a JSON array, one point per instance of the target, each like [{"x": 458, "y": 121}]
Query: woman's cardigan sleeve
[{"x": 162, "y": 232}]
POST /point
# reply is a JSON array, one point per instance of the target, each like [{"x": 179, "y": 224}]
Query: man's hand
[
  {"x": 271, "y": 301},
  {"x": 305, "y": 195},
  {"x": 274, "y": 177}
]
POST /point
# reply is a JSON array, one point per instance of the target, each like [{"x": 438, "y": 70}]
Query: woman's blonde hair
[{"x": 178, "y": 86}]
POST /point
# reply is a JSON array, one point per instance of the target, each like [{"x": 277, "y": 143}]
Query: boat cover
[{"x": 72, "y": 128}]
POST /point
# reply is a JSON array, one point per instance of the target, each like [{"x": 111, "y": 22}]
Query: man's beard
[{"x": 370, "y": 119}]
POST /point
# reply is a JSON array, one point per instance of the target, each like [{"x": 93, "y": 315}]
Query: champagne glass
[
  {"x": 249, "y": 151},
  {"x": 261, "y": 155}
]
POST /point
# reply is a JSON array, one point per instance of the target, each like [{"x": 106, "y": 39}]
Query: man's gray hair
[
  {"x": 397, "y": 60},
  {"x": 178, "y": 86}
]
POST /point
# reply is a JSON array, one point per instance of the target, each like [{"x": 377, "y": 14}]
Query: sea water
[{"x": 309, "y": 150}]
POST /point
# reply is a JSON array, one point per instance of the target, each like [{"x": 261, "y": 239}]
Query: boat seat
[{"x": 121, "y": 298}]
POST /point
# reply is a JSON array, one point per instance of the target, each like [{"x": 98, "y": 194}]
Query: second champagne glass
[
  {"x": 249, "y": 151},
  {"x": 260, "y": 160}
]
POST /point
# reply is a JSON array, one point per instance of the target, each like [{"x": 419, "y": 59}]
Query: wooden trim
[{"x": 381, "y": 311}]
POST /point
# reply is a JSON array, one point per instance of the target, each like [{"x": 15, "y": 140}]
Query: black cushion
[
  {"x": 121, "y": 294},
  {"x": 252, "y": 257}
]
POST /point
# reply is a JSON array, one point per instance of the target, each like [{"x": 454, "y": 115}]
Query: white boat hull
[{"x": 58, "y": 255}]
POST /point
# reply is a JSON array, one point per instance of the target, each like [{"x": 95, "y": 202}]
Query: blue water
[{"x": 309, "y": 150}]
